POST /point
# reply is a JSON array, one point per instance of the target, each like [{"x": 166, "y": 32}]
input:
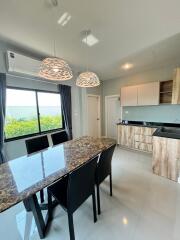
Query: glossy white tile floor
[{"x": 144, "y": 207}]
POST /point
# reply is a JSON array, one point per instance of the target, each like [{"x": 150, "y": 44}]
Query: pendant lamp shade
[
  {"x": 55, "y": 69},
  {"x": 87, "y": 79}
]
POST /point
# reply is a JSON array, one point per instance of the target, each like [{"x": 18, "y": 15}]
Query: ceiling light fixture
[
  {"x": 87, "y": 79},
  {"x": 127, "y": 66},
  {"x": 91, "y": 40},
  {"x": 54, "y": 68},
  {"x": 64, "y": 19},
  {"x": 125, "y": 221}
]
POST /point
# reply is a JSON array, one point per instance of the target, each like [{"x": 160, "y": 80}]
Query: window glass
[
  {"x": 50, "y": 111},
  {"x": 30, "y": 112},
  {"x": 21, "y": 113}
]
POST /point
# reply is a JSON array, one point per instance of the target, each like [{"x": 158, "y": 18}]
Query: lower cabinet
[
  {"x": 166, "y": 157},
  {"x": 126, "y": 136},
  {"x": 139, "y": 138},
  {"x": 146, "y": 147}
]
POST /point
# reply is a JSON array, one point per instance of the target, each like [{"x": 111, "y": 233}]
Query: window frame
[{"x": 38, "y": 115}]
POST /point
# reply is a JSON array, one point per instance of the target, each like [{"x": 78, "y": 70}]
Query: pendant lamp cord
[
  {"x": 55, "y": 7},
  {"x": 54, "y": 48},
  {"x": 87, "y": 64}
]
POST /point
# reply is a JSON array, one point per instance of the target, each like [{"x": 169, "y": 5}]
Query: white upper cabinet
[
  {"x": 140, "y": 95},
  {"x": 129, "y": 96},
  {"x": 148, "y": 94}
]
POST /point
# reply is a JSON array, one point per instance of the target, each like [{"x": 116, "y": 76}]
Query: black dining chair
[
  {"x": 74, "y": 189},
  {"x": 59, "y": 137},
  {"x": 104, "y": 170},
  {"x": 34, "y": 145}
]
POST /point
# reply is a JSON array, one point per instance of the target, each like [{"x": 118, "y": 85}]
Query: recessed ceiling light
[
  {"x": 90, "y": 40},
  {"x": 64, "y": 19},
  {"x": 127, "y": 66},
  {"x": 125, "y": 221}
]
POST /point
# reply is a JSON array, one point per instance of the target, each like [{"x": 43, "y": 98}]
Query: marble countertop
[{"x": 24, "y": 176}]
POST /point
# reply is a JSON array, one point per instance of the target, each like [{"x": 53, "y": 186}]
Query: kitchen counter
[
  {"x": 160, "y": 139},
  {"x": 167, "y": 132},
  {"x": 150, "y": 124},
  {"x": 166, "y": 155},
  {"x": 166, "y": 152}
]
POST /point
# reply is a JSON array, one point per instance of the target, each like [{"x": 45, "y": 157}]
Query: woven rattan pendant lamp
[
  {"x": 54, "y": 68},
  {"x": 87, "y": 79}
]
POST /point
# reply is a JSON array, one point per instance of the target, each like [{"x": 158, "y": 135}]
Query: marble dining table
[{"x": 22, "y": 178}]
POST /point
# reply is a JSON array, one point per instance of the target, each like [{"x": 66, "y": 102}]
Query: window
[
  {"x": 49, "y": 111},
  {"x": 30, "y": 112}
]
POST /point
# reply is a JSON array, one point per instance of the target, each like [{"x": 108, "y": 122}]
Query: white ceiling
[{"x": 137, "y": 31}]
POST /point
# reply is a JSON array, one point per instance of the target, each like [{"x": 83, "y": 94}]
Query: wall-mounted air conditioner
[{"x": 17, "y": 63}]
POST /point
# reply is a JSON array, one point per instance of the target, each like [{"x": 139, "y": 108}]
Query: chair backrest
[
  {"x": 59, "y": 137},
  {"x": 104, "y": 164},
  {"x": 36, "y": 144},
  {"x": 81, "y": 184}
]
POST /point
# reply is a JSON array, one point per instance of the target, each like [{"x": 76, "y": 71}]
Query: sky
[{"x": 16, "y": 97}]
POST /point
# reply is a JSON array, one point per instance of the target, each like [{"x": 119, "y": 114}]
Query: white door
[
  {"x": 93, "y": 115},
  {"x": 113, "y": 115}
]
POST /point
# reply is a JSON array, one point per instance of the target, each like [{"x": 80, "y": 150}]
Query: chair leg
[
  {"x": 71, "y": 226},
  {"x": 94, "y": 206},
  {"x": 42, "y": 196},
  {"x": 50, "y": 205},
  {"x": 110, "y": 179},
  {"x": 98, "y": 200}
]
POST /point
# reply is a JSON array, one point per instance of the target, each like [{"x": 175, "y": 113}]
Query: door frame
[
  {"x": 106, "y": 99},
  {"x": 99, "y": 112}
]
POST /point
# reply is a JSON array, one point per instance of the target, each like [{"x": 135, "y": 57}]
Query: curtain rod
[{"x": 35, "y": 79}]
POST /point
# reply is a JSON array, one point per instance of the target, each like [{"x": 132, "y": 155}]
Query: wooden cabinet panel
[
  {"x": 143, "y": 138},
  {"x": 166, "y": 89},
  {"x": 148, "y": 94},
  {"x": 166, "y": 153},
  {"x": 129, "y": 96},
  {"x": 176, "y": 87},
  {"x": 139, "y": 138},
  {"x": 147, "y": 131},
  {"x": 145, "y": 147},
  {"x": 150, "y": 147},
  {"x": 126, "y": 136}
]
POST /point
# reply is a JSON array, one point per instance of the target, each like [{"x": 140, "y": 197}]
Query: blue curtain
[
  {"x": 2, "y": 113},
  {"x": 65, "y": 92}
]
